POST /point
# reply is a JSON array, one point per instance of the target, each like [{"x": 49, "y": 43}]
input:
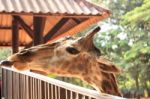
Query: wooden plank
[
  {"x": 58, "y": 26},
  {"x": 38, "y": 24},
  {"x": 15, "y": 36},
  {"x": 27, "y": 28}
]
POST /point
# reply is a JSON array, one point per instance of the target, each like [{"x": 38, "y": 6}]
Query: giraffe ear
[
  {"x": 108, "y": 67},
  {"x": 87, "y": 41}
]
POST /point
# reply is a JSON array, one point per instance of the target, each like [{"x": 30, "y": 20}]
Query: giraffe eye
[
  {"x": 72, "y": 50},
  {"x": 25, "y": 53}
]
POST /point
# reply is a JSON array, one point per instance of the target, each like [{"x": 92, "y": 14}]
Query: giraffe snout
[{"x": 6, "y": 63}]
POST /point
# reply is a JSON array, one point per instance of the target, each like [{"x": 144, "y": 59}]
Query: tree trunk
[
  {"x": 137, "y": 84},
  {"x": 146, "y": 88}
]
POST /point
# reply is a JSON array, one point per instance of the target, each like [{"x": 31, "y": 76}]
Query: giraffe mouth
[
  {"x": 18, "y": 65},
  {"x": 6, "y": 63}
]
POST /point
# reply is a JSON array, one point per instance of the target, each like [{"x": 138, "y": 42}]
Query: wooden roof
[{"x": 62, "y": 17}]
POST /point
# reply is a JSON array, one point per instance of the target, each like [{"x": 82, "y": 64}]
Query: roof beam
[
  {"x": 15, "y": 36},
  {"x": 57, "y": 27},
  {"x": 57, "y": 14},
  {"x": 27, "y": 28},
  {"x": 38, "y": 24},
  {"x": 9, "y": 27},
  {"x": 78, "y": 28},
  {"x": 52, "y": 31}
]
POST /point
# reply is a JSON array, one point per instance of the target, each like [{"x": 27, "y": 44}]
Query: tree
[
  {"x": 138, "y": 23},
  {"x": 128, "y": 43},
  {"x": 139, "y": 17}
]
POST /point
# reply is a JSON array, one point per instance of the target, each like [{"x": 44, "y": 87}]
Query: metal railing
[{"x": 28, "y": 85}]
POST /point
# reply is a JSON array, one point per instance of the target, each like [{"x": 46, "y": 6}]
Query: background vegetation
[
  {"x": 4, "y": 53},
  {"x": 127, "y": 43},
  {"x": 124, "y": 39}
]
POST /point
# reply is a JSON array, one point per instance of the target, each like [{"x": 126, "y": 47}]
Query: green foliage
[
  {"x": 134, "y": 59},
  {"x": 4, "y": 53},
  {"x": 139, "y": 49},
  {"x": 139, "y": 18},
  {"x": 139, "y": 14},
  {"x": 132, "y": 52}
]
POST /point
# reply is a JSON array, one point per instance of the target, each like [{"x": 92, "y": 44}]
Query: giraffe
[{"x": 70, "y": 57}]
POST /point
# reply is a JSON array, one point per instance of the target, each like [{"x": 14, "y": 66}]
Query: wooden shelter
[{"x": 32, "y": 22}]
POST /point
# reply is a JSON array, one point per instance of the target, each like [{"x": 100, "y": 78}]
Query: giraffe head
[{"x": 69, "y": 57}]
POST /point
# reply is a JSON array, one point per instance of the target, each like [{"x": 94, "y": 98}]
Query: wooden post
[
  {"x": 15, "y": 36},
  {"x": 38, "y": 24}
]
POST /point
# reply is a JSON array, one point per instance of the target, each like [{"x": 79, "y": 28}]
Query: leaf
[
  {"x": 145, "y": 50},
  {"x": 138, "y": 14}
]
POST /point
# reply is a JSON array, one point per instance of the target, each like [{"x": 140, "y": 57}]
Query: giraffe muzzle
[{"x": 6, "y": 63}]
